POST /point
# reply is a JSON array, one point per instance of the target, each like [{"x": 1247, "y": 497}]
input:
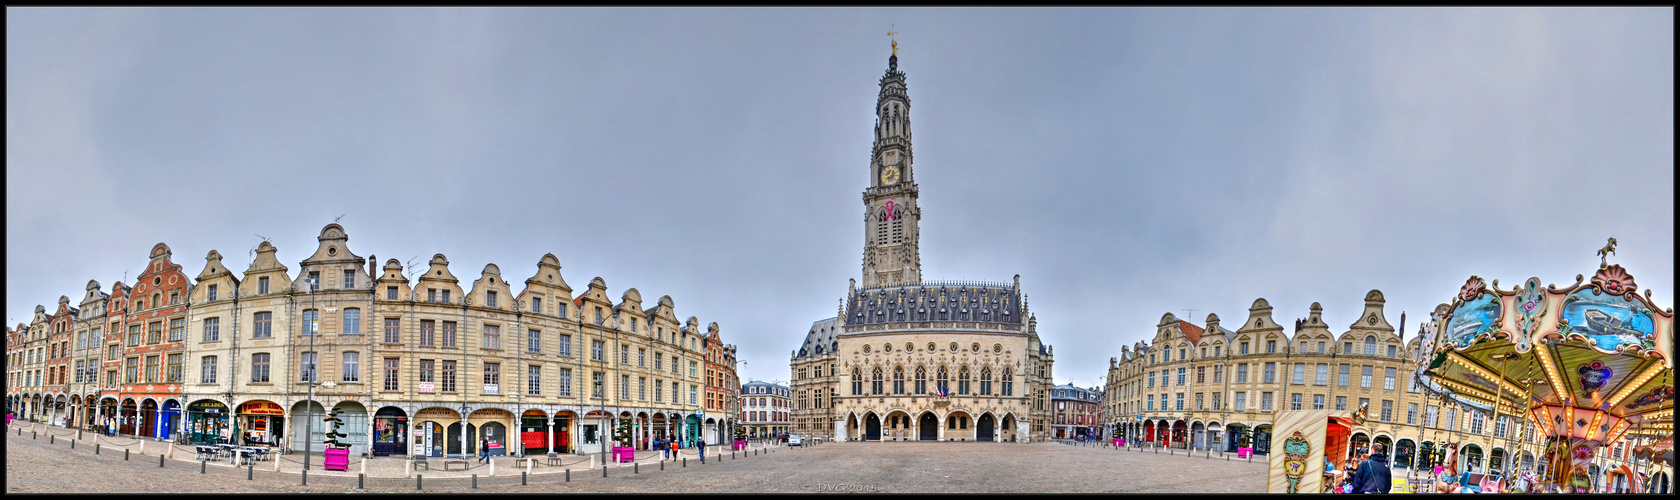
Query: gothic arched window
[
  {"x": 962, "y": 380},
  {"x": 921, "y": 380},
  {"x": 943, "y": 380},
  {"x": 857, "y": 381},
  {"x": 898, "y": 227},
  {"x": 875, "y": 385},
  {"x": 898, "y": 380},
  {"x": 986, "y": 381},
  {"x": 1008, "y": 385},
  {"x": 881, "y": 227}
]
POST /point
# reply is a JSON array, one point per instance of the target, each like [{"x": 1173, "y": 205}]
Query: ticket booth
[{"x": 1301, "y": 442}]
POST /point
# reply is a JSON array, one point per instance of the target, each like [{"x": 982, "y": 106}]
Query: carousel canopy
[{"x": 1591, "y": 361}]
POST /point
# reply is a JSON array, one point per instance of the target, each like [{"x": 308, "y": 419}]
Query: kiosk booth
[{"x": 1305, "y": 440}]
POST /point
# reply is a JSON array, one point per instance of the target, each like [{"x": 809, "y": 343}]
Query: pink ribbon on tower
[{"x": 889, "y": 209}]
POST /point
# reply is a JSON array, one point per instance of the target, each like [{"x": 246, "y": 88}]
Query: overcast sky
[{"x": 1125, "y": 162}]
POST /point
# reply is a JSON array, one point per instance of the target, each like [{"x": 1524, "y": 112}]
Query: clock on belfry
[{"x": 889, "y": 175}]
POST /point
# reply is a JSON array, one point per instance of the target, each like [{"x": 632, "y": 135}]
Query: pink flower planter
[
  {"x": 740, "y": 444},
  {"x": 336, "y": 459},
  {"x": 623, "y": 454},
  {"x": 1245, "y": 452}
]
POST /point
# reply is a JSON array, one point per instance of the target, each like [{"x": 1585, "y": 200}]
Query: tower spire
[{"x": 890, "y": 254}]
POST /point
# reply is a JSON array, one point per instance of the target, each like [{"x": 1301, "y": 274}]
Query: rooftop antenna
[
  {"x": 408, "y": 268},
  {"x": 1192, "y": 313},
  {"x": 252, "y": 253},
  {"x": 340, "y": 216}
]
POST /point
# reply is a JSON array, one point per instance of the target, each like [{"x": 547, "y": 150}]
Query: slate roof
[
  {"x": 935, "y": 301},
  {"x": 820, "y": 340}
]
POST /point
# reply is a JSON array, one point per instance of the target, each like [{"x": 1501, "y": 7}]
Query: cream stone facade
[
  {"x": 908, "y": 359},
  {"x": 413, "y": 363},
  {"x": 1194, "y": 387}
]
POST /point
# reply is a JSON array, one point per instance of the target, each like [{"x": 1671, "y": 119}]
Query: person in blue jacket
[{"x": 1373, "y": 475}]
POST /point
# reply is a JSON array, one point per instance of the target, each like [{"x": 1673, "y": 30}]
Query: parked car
[{"x": 793, "y": 441}]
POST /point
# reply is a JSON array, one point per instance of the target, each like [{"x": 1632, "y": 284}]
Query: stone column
[
  {"x": 941, "y": 425},
  {"x": 548, "y": 430}
]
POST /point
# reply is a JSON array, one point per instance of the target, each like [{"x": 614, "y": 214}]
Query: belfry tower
[{"x": 890, "y": 233}]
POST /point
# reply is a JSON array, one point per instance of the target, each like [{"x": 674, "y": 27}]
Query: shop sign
[
  {"x": 436, "y": 413},
  {"x": 492, "y": 389},
  {"x": 261, "y": 408},
  {"x": 426, "y": 387},
  {"x": 209, "y": 406}
]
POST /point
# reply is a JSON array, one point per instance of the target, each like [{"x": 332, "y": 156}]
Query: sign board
[
  {"x": 261, "y": 408},
  {"x": 492, "y": 389},
  {"x": 426, "y": 387}
]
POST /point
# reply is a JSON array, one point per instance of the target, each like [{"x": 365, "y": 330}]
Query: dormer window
[
  {"x": 262, "y": 285},
  {"x": 349, "y": 279},
  {"x": 431, "y": 295},
  {"x": 210, "y": 293},
  {"x": 536, "y": 304},
  {"x": 314, "y": 281},
  {"x": 490, "y": 299}
]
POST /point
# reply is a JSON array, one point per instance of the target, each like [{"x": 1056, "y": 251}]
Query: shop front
[
  {"x": 260, "y": 422},
  {"x": 533, "y": 432},
  {"x": 148, "y": 418},
  {"x": 169, "y": 421},
  {"x": 390, "y": 432},
  {"x": 207, "y": 422},
  {"x": 308, "y": 422},
  {"x": 491, "y": 426},
  {"x": 562, "y": 432},
  {"x": 428, "y": 436},
  {"x": 353, "y": 419}
]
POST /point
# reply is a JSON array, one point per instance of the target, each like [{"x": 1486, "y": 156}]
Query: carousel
[{"x": 1589, "y": 365}]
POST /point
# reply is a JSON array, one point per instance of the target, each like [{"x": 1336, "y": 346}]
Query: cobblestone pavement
[{"x": 37, "y": 466}]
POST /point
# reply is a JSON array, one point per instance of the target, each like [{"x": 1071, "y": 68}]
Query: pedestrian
[
  {"x": 1373, "y": 474},
  {"x": 483, "y": 449},
  {"x": 702, "y": 445}
]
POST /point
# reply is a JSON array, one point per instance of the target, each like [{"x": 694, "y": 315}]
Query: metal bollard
[
  {"x": 201, "y": 465},
  {"x": 72, "y": 444},
  {"x": 359, "y": 478},
  {"x": 306, "y": 477},
  {"x": 160, "y": 460},
  {"x": 685, "y": 461},
  {"x": 96, "y": 447},
  {"x": 51, "y": 440},
  {"x": 475, "y": 481},
  {"x": 522, "y": 478},
  {"x": 603, "y": 469},
  {"x": 568, "y": 475},
  {"x": 248, "y": 471},
  {"x": 661, "y": 465},
  {"x": 34, "y": 434},
  {"x": 125, "y": 453},
  {"x": 638, "y": 467},
  {"x": 417, "y": 481}
]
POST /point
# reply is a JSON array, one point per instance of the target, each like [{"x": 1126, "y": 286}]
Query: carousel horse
[{"x": 1451, "y": 476}]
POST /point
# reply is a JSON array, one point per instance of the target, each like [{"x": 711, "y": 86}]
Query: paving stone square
[{"x": 37, "y": 466}]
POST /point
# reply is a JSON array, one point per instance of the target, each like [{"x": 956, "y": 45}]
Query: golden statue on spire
[{"x": 892, "y": 32}]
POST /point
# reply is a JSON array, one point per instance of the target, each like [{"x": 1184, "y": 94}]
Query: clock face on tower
[{"x": 889, "y": 175}]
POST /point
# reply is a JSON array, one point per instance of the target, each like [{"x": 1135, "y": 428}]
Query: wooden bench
[
  {"x": 447, "y": 463},
  {"x": 421, "y": 463}
]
